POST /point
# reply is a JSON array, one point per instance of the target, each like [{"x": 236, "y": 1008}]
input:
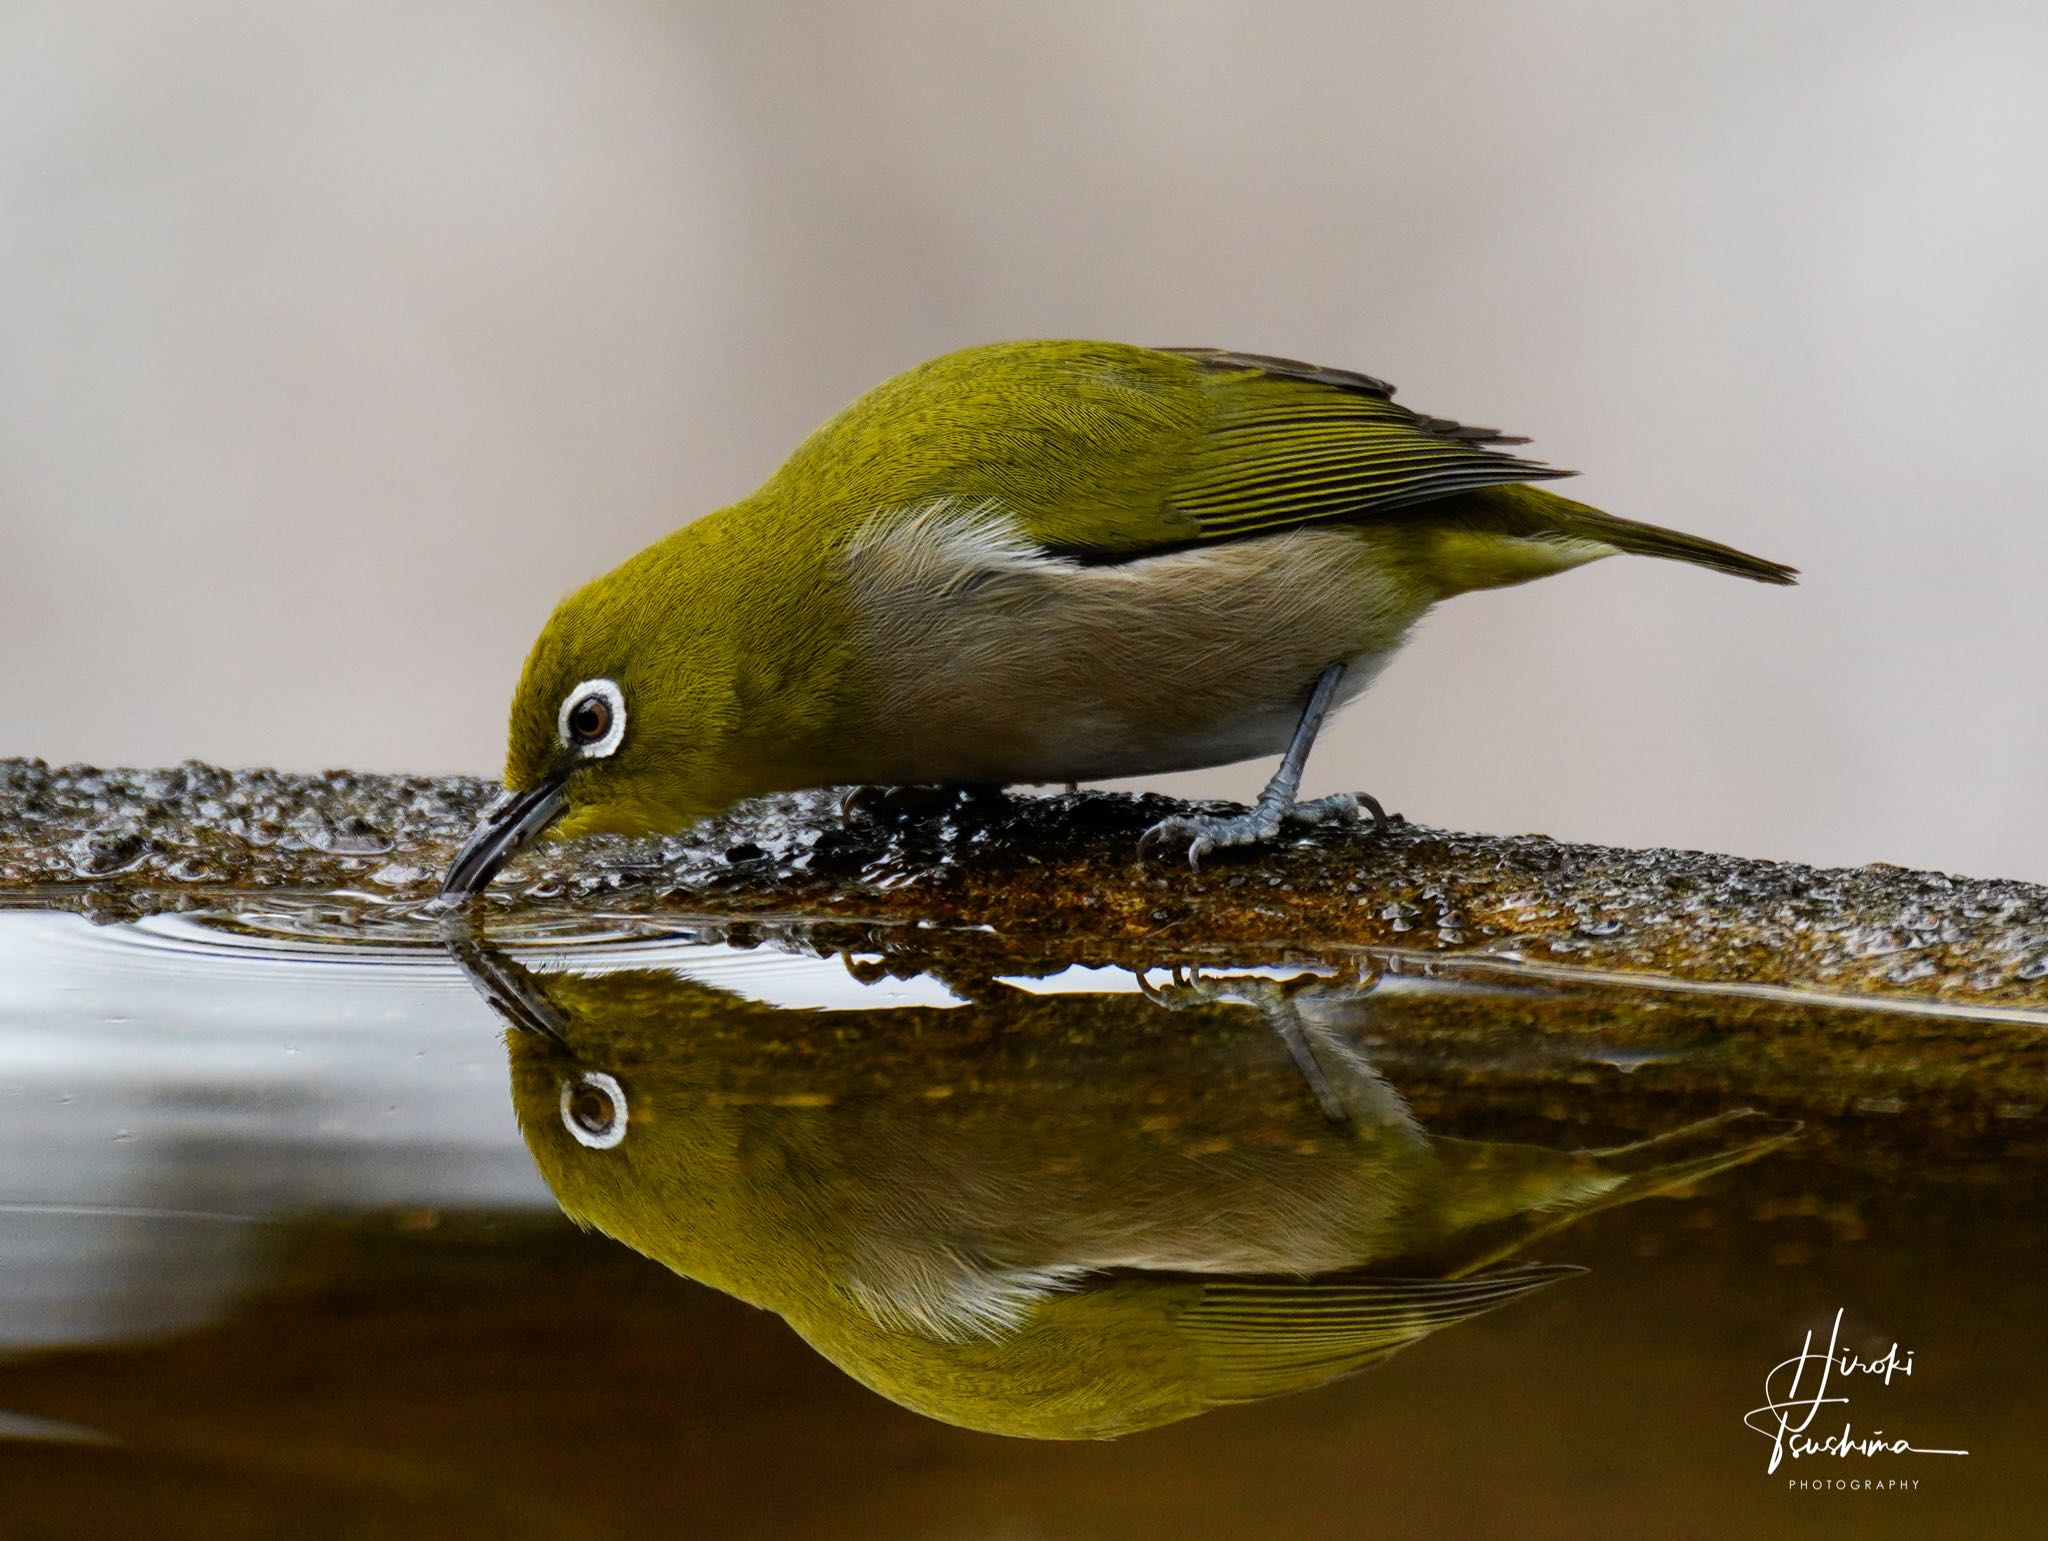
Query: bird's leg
[{"x": 1276, "y": 805}]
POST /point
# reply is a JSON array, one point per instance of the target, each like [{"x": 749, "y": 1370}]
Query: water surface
[{"x": 930, "y": 1233}]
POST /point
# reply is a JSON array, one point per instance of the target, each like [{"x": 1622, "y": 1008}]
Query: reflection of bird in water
[{"x": 1061, "y": 1215}]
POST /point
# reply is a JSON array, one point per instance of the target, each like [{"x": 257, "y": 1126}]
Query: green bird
[
  {"x": 1035, "y": 562},
  {"x": 1061, "y": 1215}
]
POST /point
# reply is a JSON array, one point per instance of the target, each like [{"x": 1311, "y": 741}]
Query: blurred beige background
[{"x": 338, "y": 338}]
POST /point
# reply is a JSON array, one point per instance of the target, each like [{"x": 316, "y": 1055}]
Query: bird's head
[{"x": 613, "y": 725}]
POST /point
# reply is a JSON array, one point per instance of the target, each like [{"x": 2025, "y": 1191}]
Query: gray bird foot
[{"x": 1264, "y": 820}]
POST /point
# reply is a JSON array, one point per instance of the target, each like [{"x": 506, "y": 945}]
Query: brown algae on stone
[{"x": 117, "y": 843}]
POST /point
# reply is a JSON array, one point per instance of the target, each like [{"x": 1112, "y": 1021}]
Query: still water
[{"x": 896, "y": 1231}]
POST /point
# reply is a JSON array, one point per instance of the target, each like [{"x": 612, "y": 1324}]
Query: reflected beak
[
  {"x": 508, "y": 826},
  {"x": 509, "y": 989}
]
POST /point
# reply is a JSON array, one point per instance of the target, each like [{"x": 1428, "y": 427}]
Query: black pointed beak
[{"x": 508, "y": 826}]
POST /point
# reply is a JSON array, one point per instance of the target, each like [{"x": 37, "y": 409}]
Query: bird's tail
[
  {"x": 1655, "y": 540},
  {"x": 1579, "y": 522},
  {"x": 1577, "y": 533},
  {"x": 1500, "y": 1197}
]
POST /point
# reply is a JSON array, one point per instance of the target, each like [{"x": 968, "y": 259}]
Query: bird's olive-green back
[{"x": 1109, "y": 450}]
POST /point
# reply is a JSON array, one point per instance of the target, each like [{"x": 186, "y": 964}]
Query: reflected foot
[
  {"x": 1345, "y": 1086},
  {"x": 1261, "y": 822}
]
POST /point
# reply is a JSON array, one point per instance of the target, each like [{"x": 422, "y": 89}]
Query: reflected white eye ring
[
  {"x": 596, "y": 1136},
  {"x": 614, "y": 700}
]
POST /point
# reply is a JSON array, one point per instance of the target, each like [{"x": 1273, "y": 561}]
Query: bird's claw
[
  {"x": 1180, "y": 824},
  {"x": 1261, "y": 822}
]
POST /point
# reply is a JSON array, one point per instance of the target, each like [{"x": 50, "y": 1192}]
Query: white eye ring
[
  {"x": 597, "y": 1133},
  {"x": 614, "y": 700}
]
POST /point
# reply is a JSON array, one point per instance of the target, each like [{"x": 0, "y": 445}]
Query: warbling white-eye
[
  {"x": 1065, "y": 1215},
  {"x": 1034, "y": 562}
]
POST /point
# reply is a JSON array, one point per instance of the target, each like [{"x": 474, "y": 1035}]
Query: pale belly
[
  {"x": 992, "y": 662},
  {"x": 1219, "y": 723}
]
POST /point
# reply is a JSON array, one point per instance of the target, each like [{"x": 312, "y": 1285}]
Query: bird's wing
[
  {"x": 1258, "y": 1338},
  {"x": 1104, "y": 452},
  {"x": 1160, "y": 449},
  {"x": 1290, "y": 443}
]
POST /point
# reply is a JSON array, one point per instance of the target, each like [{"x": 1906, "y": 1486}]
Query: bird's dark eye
[
  {"x": 594, "y": 1110},
  {"x": 590, "y": 719}
]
